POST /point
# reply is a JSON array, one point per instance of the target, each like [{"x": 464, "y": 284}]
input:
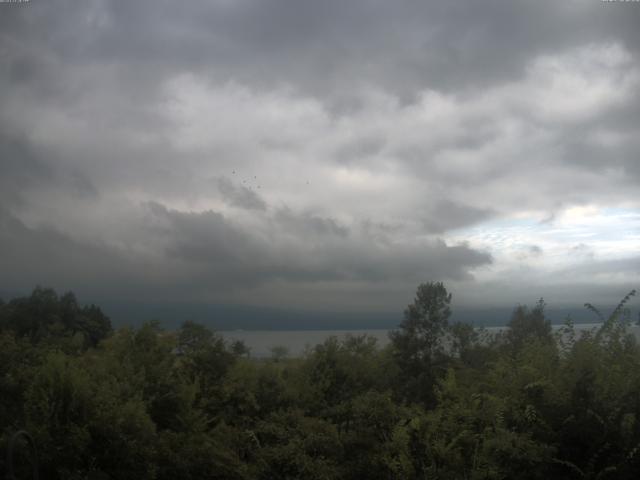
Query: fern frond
[
  {"x": 595, "y": 311},
  {"x": 605, "y": 471},
  {"x": 571, "y": 466},
  {"x": 621, "y": 305}
]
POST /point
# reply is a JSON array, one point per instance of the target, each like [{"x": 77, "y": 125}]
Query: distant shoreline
[{"x": 260, "y": 342}]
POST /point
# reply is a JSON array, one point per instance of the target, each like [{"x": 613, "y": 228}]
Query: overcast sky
[{"x": 323, "y": 155}]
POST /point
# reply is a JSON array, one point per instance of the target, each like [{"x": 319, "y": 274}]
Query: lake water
[{"x": 296, "y": 341}]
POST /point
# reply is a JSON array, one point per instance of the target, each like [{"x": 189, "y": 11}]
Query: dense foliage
[{"x": 442, "y": 401}]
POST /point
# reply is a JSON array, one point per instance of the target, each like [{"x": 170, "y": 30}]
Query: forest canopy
[{"x": 443, "y": 400}]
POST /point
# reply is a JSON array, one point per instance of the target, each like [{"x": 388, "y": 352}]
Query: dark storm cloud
[
  {"x": 202, "y": 254},
  {"x": 309, "y": 226},
  {"x": 605, "y": 149},
  {"x": 44, "y": 255},
  {"x": 21, "y": 169},
  {"x": 447, "y": 215},
  {"x": 299, "y": 247},
  {"x": 323, "y": 46},
  {"x": 205, "y": 236},
  {"x": 122, "y": 122},
  {"x": 402, "y": 46},
  {"x": 25, "y": 168}
]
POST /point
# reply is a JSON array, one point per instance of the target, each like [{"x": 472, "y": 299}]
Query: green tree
[
  {"x": 59, "y": 321},
  {"x": 529, "y": 325},
  {"x": 418, "y": 344}
]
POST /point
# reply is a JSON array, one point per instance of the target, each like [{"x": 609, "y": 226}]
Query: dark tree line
[{"x": 442, "y": 401}]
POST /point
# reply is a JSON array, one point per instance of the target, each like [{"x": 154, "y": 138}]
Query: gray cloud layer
[{"x": 306, "y": 152}]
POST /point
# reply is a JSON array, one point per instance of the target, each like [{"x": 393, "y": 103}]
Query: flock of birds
[
  {"x": 245, "y": 181},
  {"x": 255, "y": 177}
]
